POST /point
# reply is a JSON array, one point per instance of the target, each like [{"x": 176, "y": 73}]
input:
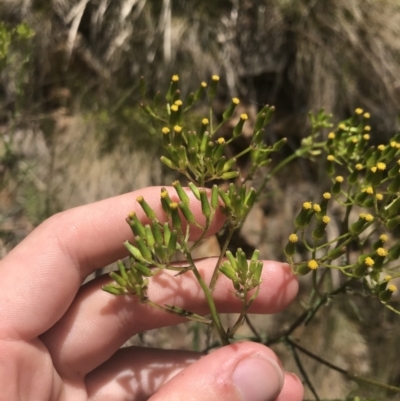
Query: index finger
[{"x": 42, "y": 275}]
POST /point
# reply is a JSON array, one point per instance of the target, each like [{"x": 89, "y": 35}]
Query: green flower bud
[
  {"x": 239, "y": 126},
  {"x": 173, "y": 86},
  {"x": 189, "y": 101},
  {"x": 176, "y": 219},
  {"x": 165, "y": 201},
  {"x": 229, "y": 175},
  {"x": 195, "y": 190},
  {"x": 146, "y": 108},
  {"x": 212, "y": 91},
  {"x": 205, "y": 205},
  {"x": 134, "y": 251},
  {"x": 290, "y": 248},
  {"x": 214, "y": 197},
  {"x": 172, "y": 243},
  {"x": 135, "y": 224},
  {"x": 231, "y": 108},
  {"x": 118, "y": 279},
  {"x": 158, "y": 237},
  {"x": 304, "y": 217},
  {"x": 181, "y": 192},
  {"x": 149, "y": 237},
  {"x": 393, "y": 223},
  {"x": 279, "y": 145},
  {"x": 200, "y": 92},
  {"x": 143, "y": 248},
  {"x": 319, "y": 231},
  {"x": 394, "y": 252},
  {"x": 336, "y": 253},
  {"x": 161, "y": 253},
  {"x": 329, "y": 166},
  {"x": 187, "y": 213},
  {"x": 337, "y": 186},
  {"x": 114, "y": 289},
  {"x": 144, "y": 270},
  {"x": 394, "y": 186},
  {"x": 385, "y": 295},
  {"x": 169, "y": 163}
]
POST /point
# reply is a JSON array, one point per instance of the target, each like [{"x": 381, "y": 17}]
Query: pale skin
[{"x": 60, "y": 341}]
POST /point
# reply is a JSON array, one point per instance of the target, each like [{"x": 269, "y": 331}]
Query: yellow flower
[
  {"x": 359, "y": 110},
  {"x": 392, "y": 288},
  {"x": 339, "y": 178},
  {"x": 215, "y": 78},
  {"x": 342, "y": 126},
  {"x": 367, "y": 115},
  {"x": 369, "y": 190},
  {"x": 221, "y": 141},
  {"x": 369, "y": 261},
  {"x": 203, "y": 84},
  {"x": 177, "y": 129},
  {"x": 379, "y": 197},
  {"x": 244, "y": 116},
  {"x": 381, "y": 252},
  {"x": 331, "y": 135},
  {"x": 307, "y": 205},
  {"x": 354, "y": 140},
  {"x": 381, "y": 147},
  {"x": 312, "y": 264},
  {"x": 366, "y": 137},
  {"x": 359, "y": 166},
  {"x": 317, "y": 208},
  {"x": 326, "y": 195},
  {"x": 367, "y": 128},
  {"x": 368, "y": 217},
  {"x": 383, "y": 237},
  {"x": 373, "y": 169},
  {"x": 175, "y": 78},
  {"x": 330, "y": 158},
  {"x": 293, "y": 238},
  {"x": 387, "y": 278},
  {"x": 235, "y": 100},
  {"x": 381, "y": 166},
  {"x": 393, "y": 144},
  {"x": 178, "y": 102},
  {"x": 326, "y": 219},
  {"x": 205, "y": 121},
  {"x": 174, "y": 107}
]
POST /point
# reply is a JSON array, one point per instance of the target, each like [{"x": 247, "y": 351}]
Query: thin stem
[
  {"x": 302, "y": 370},
  {"x": 350, "y": 375},
  {"x": 211, "y": 304},
  {"x": 221, "y": 256}
]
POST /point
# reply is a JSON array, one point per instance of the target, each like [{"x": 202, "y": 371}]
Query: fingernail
[{"x": 258, "y": 379}]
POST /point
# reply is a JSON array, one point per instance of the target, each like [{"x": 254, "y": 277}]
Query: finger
[
  {"x": 238, "y": 372},
  {"x": 41, "y": 276},
  {"x": 77, "y": 347},
  {"x": 136, "y": 373},
  {"x": 241, "y": 371},
  {"x": 292, "y": 389}
]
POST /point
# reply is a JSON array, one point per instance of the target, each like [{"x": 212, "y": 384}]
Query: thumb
[{"x": 237, "y": 372}]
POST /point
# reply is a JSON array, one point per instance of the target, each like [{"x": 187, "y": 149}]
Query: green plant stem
[
  {"x": 210, "y": 301},
  {"x": 221, "y": 256},
  {"x": 352, "y": 376}
]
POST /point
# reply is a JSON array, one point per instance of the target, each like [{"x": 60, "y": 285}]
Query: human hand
[{"x": 59, "y": 341}]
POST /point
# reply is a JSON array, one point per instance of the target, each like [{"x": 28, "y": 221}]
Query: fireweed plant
[{"x": 364, "y": 183}]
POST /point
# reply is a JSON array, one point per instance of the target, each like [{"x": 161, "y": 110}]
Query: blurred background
[{"x": 71, "y": 131}]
